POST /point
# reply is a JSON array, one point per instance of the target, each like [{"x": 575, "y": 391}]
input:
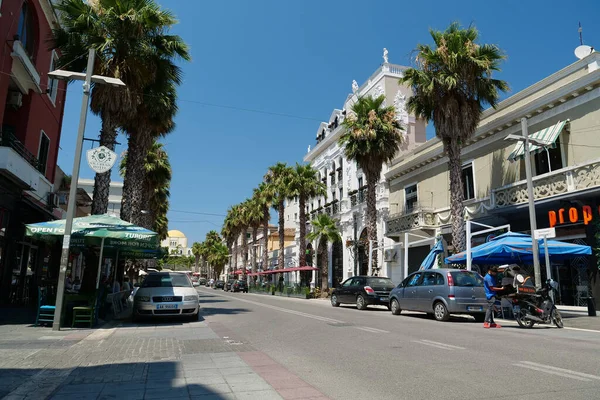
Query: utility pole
[{"x": 88, "y": 78}]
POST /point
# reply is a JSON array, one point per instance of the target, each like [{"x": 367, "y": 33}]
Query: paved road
[{"x": 349, "y": 354}]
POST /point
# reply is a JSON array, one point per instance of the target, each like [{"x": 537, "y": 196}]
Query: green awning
[{"x": 547, "y": 135}]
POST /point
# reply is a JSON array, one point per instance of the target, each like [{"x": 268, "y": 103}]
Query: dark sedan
[
  {"x": 229, "y": 285},
  {"x": 363, "y": 291},
  {"x": 240, "y": 286},
  {"x": 219, "y": 284}
]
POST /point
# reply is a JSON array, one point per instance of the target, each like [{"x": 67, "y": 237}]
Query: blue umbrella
[
  {"x": 430, "y": 259},
  {"x": 514, "y": 247}
]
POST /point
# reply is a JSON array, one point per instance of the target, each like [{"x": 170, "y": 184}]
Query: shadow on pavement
[
  {"x": 133, "y": 381},
  {"x": 222, "y": 311}
]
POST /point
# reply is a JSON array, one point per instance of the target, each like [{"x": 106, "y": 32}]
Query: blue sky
[{"x": 299, "y": 59}]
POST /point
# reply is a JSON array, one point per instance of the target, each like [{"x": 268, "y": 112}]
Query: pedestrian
[{"x": 490, "y": 286}]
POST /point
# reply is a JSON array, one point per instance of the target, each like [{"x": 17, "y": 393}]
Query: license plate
[
  {"x": 516, "y": 309},
  {"x": 384, "y": 299},
  {"x": 166, "y": 306},
  {"x": 474, "y": 308}
]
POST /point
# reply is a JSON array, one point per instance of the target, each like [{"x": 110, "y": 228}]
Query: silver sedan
[{"x": 166, "y": 294}]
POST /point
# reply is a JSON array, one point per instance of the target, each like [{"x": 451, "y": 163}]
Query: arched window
[{"x": 25, "y": 30}]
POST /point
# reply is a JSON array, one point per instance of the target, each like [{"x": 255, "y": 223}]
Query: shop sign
[
  {"x": 570, "y": 215},
  {"x": 101, "y": 159}
]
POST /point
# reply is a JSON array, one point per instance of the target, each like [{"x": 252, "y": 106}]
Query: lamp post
[
  {"x": 87, "y": 79},
  {"x": 524, "y": 137}
]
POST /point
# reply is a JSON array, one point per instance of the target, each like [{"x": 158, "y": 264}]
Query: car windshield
[
  {"x": 379, "y": 282},
  {"x": 466, "y": 278},
  {"x": 166, "y": 280}
]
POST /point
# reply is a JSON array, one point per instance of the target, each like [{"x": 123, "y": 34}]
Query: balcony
[
  {"x": 8, "y": 139},
  {"x": 358, "y": 196},
  {"x": 410, "y": 219},
  {"x": 25, "y": 75},
  {"x": 332, "y": 179},
  {"x": 560, "y": 182}
]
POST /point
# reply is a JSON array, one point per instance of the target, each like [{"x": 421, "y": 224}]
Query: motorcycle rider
[{"x": 490, "y": 286}]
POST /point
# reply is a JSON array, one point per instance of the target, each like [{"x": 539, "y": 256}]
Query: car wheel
[
  {"x": 479, "y": 317},
  {"x": 361, "y": 304},
  {"x": 334, "y": 301},
  {"x": 395, "y": 307},
  {"x": 440, "y": 312}
]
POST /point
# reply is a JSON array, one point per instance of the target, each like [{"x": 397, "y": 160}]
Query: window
[
  {"x": 414, "y": 280},
  {"x": 410, "y": 196},
  {"x": 288, "y": 217},
  {"x": 52, "y": 83},
  {"x": 295, "y": 216},
  {"x": 432, "y": 279},
  {"x": 333, "y": 195},
  {"x": 551, "y": 157},
  {"x": 319, "y": 203},
  {"x": 43, "y": 152},
  {"x": 360, "y": 182},
  {"x": 25, "y": 29},
  {"x": 341, "y": 193},
  {"x": 468, "y": 182}
]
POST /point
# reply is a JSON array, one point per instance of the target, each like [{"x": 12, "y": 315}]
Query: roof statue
[
  {"x": 354, "y": 86},
  {"x": 385, "y": 55}
]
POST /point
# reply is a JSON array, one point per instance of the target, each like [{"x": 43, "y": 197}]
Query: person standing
[{"x": 491, "y": 289}]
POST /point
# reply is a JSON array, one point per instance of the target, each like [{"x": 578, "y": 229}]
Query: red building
[{"x": 31, "y": 111}]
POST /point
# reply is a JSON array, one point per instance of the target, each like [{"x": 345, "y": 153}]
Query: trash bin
[{"x": 591, "y": 303}]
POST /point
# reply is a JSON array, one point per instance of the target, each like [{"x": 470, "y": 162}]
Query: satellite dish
[{"x": 583, "y": 51}]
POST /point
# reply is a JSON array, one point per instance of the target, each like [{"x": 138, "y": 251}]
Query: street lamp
[
  {"x": 524, "y": 137},
  {"x": 87, "y": 79}
]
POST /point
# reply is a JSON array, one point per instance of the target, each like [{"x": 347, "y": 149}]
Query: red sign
[{"x": 570, "y": 215}]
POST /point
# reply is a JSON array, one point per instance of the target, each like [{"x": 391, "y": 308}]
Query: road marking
[
  {"x": 567, "y": 373},
  {"x": 438, "y": 345},
  {"x": 285, "y": 310},
  {"x": 372, "y": 330}
]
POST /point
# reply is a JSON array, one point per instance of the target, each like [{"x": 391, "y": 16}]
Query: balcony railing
[
  {"x": 411, "y": 219},
  {"x": 335, "y": 207},
  {"x": 8, "y": 139},
  {"x": 332, "y": 180},
  {"x": 565, "y": 180}
]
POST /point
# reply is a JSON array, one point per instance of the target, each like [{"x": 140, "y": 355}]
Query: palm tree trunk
[
  {"x": 302, "y": 212},
  {"x": 138, "y": 146},
  {"x": 108, "y": 136},
  {"x": 324, "y": 268},
  {"x": 245, "y": 251},
  {"x": 372, "y": 179},
  {"x": 265, "y": 255},
  {"x": 254, "y": 234},
  {"x": 452, "y": 147},
  {"x": 281, "y": 212},
  {"x": 235, "y": 254}
]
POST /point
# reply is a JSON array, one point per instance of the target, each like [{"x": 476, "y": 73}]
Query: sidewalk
[{"x": 174, "y": 360}]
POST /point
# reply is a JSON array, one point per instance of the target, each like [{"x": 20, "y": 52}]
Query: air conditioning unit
[
  {"x": 15, "y": 99},
  {"x": 389, "y": 255},
  {"x": 52, "y": 200}
]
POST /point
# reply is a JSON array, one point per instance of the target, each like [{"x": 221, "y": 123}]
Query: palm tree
[
  {"x": 265, "y": 195},
  {"x": 128, "y": 36},
  {"x": 255, "y": 219},
  {"x": 218, "y": 255},
  {"x": 304, "y": 183},
  {"x": 276, "y": 178},
  {"x": 372, "y": 137},
  {"x": 197, "y": 252},
  {"x": 324, "y": 230},
  {"x": 245, "y": 221},
  {"x": 232, "y": 223},
  {"x": 451, "y": 84},
  {"x": 229, "y": 237}
]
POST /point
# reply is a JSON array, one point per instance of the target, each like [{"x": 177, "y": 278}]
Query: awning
[{"x": 547, "y": 135}]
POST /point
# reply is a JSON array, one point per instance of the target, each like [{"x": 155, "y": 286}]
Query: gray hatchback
[{"x": 441, "y": 292}]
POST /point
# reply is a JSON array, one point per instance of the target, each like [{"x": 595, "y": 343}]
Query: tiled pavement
[{"x": 169, "y": 360}]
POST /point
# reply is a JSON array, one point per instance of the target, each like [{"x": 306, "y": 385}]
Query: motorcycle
[
  {"x": 538, "y": 308},
  {"x": 530, "y": 306}
]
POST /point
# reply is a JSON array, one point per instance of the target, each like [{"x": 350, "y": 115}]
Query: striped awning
[{"x": 547, "y": 135}]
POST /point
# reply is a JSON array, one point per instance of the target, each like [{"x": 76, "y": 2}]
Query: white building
[
  {"x": 177, "y": 243},
  {"x": 346, "y": 184},
  {"x": 115, "y": 194}
]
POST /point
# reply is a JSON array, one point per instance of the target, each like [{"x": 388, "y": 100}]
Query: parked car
[
  {"x": 229, "y": 285},
  {"x": 240, "y": 286},
  {"x": 202, "y": 281},
  {"x": 166, "y": 293},
  {"x": 219, "y": 284},
  {"x": 363, "y": 291},
  {"x": 441, "y": 292}
]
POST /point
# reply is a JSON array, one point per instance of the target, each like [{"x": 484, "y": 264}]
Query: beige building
[{"x": 565, "y": 109}]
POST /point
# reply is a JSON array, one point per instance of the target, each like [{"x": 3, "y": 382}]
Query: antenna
[{"x": 582, "y": 50}]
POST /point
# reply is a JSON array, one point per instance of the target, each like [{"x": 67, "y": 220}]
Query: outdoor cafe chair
[
  {"x": 45, "y": 313},
  {"x": 85, "y": 314}
]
